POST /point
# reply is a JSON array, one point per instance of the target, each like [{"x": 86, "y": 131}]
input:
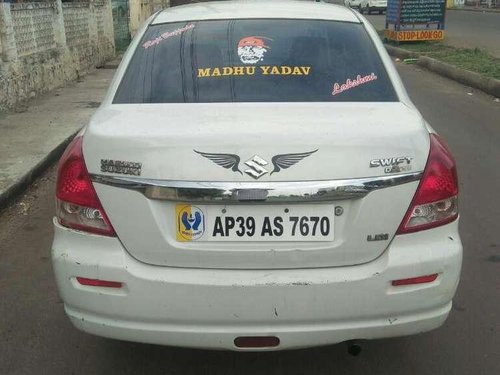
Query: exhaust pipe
[{"x": 354, "y": 348}]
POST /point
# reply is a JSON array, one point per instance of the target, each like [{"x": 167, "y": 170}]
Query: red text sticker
[
  {"x": 350, "y": 83},
  {"x": 166, "y": 35}
]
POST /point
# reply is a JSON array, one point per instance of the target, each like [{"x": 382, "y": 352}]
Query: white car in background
[
  {"x": 352, "y": 3},
  {"x": 257, "y": 178},
  {"x": 367, "y": 6}
]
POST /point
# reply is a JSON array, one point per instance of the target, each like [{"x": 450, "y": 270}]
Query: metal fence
[{"x": 121, "y": 20}]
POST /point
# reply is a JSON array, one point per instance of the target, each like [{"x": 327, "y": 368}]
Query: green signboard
[
  {"x": 422, "y": 11},
  {"x": 415, "y": 20}
]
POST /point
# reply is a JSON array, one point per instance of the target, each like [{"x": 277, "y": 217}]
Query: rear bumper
[
  {"x": 291, "y": 336},
  {"x": 304, "y": 307}
]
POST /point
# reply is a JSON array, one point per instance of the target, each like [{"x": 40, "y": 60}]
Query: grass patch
[{"x": 473, "y": 59}]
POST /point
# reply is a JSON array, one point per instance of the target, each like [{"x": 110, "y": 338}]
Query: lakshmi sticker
[{"x": 349, "y": 84}]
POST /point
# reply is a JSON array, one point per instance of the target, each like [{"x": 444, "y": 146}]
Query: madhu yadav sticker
[{"x": 190, "y": 223}]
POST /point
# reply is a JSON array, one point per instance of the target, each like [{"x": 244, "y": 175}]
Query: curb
[
  {"x": 23, "y": 183},
  {"x": 482, "y": 10},
  {"x": 488, "y": 85}
]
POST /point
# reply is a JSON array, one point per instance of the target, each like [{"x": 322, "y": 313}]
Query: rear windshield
[{"x": 255, "y": 60}]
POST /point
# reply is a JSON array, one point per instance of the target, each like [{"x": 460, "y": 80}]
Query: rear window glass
[{"x": 255, "y": 60}]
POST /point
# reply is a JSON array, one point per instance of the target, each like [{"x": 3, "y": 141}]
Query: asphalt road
[
  {"x": 36, "y": 337},
  {"x": 465, "y": 29}
]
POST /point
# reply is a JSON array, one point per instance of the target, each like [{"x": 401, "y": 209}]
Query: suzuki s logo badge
[{"x": 256, "y": 164}]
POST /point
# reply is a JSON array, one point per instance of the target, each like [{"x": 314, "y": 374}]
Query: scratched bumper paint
[{"x": 208, "y": 308}]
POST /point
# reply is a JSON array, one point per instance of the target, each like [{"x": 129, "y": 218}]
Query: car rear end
[
  {"x": 256, "y": 183},
  {"x": 353, "y": 3},
  {"x": 378, "y": 5}
]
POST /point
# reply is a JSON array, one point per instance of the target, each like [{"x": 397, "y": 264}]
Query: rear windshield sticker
[
  {"x": 252, "y": 49},
  {"x": 349, "y": 84},
  {"x": 166, "y": 35},
  {"x": 264, "y": 70}
]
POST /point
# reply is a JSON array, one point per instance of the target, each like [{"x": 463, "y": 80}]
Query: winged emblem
[
  {"x": 284, "y": 161},
  {"x": 256, "y": 165},
  {"x": 228, "y": 161}
]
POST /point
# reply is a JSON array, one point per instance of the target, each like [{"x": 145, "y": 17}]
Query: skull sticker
[{"x": 252, "y": 49}]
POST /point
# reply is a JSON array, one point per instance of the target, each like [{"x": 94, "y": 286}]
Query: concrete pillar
[
  {"x": 93, "y": 37},
  {"x": 135, "y": 16},
  {"x": 59, "y": 30},
  {"x": 9, "y": 49},
  {"x": 108, "y": 23},
  {"x": 140, "y": 10}
]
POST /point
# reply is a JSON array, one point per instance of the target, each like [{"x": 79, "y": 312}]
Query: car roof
[{"x": 288, "y": 9}]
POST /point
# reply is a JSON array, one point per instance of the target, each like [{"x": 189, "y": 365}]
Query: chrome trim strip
[{"x": 225, "y": 192}]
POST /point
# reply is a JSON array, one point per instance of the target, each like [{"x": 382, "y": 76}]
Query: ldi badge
[
  {"x": 377, "y": 237},
  {"x": 394, "y": 164}
]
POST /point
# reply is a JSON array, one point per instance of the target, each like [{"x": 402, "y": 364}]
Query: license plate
[{"x": 239, "y": 223}]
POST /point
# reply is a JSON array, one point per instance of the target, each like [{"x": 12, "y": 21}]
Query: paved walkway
[
  {"x": 36, "y": 135},
  {"x": 477, "y": 9}
]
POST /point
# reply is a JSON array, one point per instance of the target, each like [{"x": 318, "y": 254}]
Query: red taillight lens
[
  {"x": 257, "y": 342},
  {"x": 435, "y": 203},
  {"x": 415, "y": 280},
  {"x": 95, "y": 282},
  {"x": 78, "y": 206}
]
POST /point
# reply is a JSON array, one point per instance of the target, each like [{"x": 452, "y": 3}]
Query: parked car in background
[
  {"x": 257, "y": 178},
  {"x": 352, "y": 3},
  {"x": 367, "y": 6}
]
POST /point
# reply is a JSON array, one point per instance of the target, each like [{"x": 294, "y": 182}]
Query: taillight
[
  {"x": 78, "y": 206},
  {"x": 435, "y": 203}
]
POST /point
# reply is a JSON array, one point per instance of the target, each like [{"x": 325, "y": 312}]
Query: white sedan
[
  {"x": 353, "y": 3},
  {"x": 257, "y": 178},
  {"x": 367, "y": 6}
]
